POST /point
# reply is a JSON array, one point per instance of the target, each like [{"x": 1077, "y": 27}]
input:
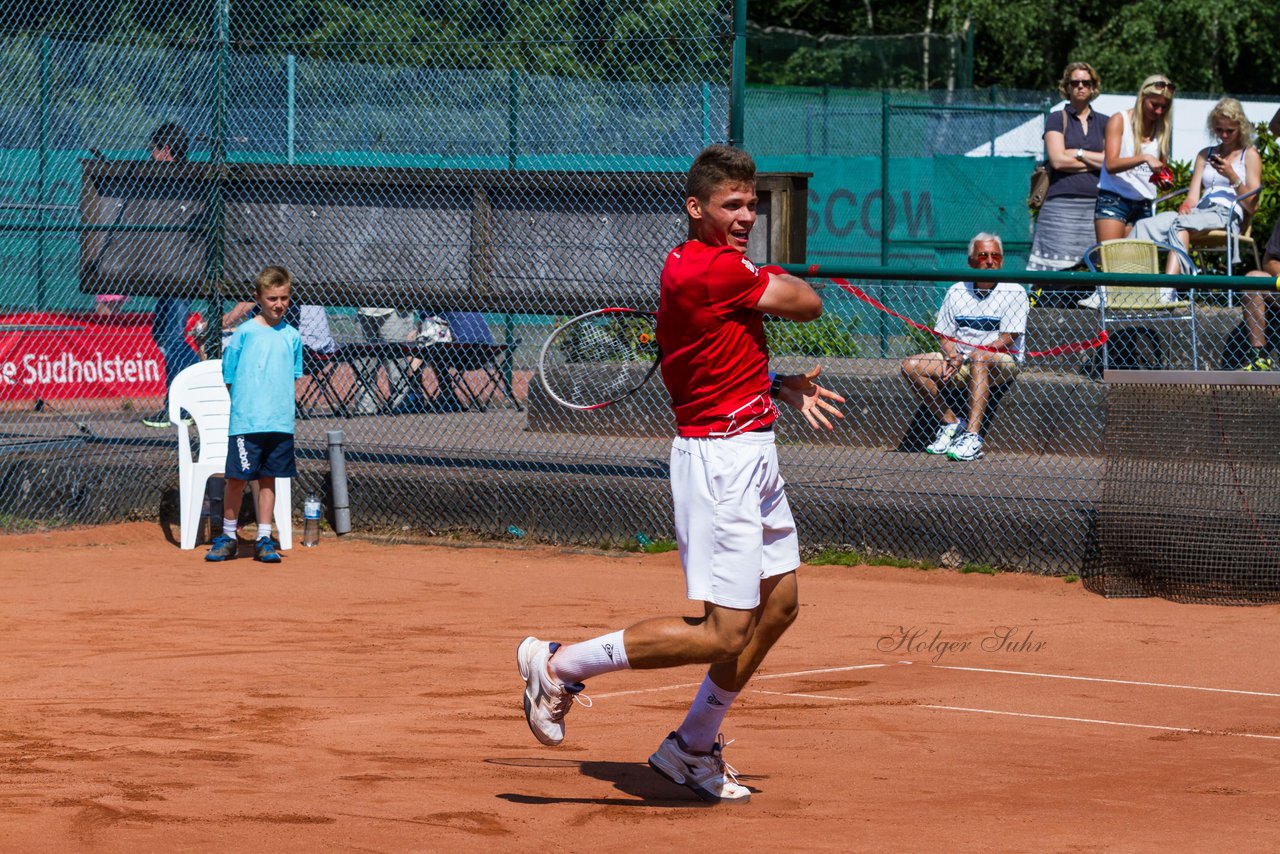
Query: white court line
[
  {"x": 754, "y": 679},
  {"x": 806, "y": 696},
  {"x": 1096, "y": 721},
  {"x": 1061, "y": 718},
  {"x": 1111, "y": 681}
]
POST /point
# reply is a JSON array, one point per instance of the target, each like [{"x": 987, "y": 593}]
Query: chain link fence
[
  {"x": 446, "y": 182},
  {"x": 901, "y": 61}
]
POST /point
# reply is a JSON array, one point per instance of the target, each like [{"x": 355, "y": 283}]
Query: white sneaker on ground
[
  {"x": 707, "y": 775},
  {"x": 967, "y": 446},
  {"x": 1091, "y": 301},
  {"x": 546, "y": 701},
  {"x": 946, "y": 435}
]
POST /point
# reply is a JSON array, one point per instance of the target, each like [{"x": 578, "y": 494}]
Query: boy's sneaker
[
  {"x": 222, "y": 548},
  {"x": 707, "y": 775},
  {"x": 967, "y": 446},
  {"x": 546, "y": 701},
  {"x": 946, "y": 435},
  {"x": 265, "y": 550}
]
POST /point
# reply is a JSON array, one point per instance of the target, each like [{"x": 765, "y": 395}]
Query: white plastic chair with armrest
[{"x": 200, "y": 390}]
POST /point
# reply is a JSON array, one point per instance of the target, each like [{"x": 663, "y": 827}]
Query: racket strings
[{"x": 596, "y": 360}]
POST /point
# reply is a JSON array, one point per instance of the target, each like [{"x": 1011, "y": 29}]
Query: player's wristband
[{"x": 775, "y": 384}]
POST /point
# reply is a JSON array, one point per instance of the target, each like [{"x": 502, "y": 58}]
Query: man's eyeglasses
[
  {"x": 1162, "y": 85},
  {"x": 984, "y": 256},
  {"x": 1088, "y": 84}
]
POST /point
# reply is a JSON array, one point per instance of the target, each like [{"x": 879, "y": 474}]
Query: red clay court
[{"x": 364, "y": 697}]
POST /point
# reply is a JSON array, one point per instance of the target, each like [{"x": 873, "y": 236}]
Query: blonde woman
[
  {"x": 1073, "y": 142},
  {"x": 1137, "y": 148},
  {"x": 1222, "y": 174}
]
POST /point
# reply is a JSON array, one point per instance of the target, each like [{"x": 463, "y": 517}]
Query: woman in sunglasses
[
  {"x": 1073, "y": 142},
  {"x": 1136, "y": 153}
]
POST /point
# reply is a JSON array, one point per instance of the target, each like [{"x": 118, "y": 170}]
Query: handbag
[{"x": 1040, "y": 177}]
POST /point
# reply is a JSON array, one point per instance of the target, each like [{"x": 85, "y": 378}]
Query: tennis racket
[{"x": 600, "y": 357}]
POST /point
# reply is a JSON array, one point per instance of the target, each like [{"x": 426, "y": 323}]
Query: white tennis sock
[
  {"x": 580, "y": 661},
  {"x": 229, "y": 527},
  {"x": 702, "y": 723},
  {"x": 263, "y": 530}
]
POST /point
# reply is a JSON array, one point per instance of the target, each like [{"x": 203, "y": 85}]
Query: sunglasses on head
[{"x": 1161, "y": 86}]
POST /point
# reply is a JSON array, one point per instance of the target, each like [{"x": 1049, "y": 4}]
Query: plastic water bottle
[{"x": 311, "y": 521}]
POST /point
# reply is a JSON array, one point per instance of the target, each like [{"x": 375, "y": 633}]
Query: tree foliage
[{"x": 1024, "y": 44}]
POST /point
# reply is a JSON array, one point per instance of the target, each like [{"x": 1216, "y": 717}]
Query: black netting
[{"x": 1189, "y": 507}]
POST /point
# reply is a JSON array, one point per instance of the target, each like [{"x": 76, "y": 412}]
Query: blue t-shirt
[{"x": 261, "y": 364}]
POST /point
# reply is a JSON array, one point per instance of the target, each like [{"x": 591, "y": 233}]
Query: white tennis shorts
[{"x": 733, "y": 523}]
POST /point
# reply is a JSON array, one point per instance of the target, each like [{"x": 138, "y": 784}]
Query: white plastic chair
[{"x": 200, "y": 390}]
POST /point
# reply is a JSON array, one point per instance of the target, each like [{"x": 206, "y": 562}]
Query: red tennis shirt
[{"x": 715, "y": 362}]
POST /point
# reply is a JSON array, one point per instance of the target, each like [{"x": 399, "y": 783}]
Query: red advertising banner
[{"x": 61, "y": 355}]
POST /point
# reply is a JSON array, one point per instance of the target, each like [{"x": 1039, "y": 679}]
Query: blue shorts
[
  {"x": 254, "y": 455},
  {"x": 1115, "y": 206}
]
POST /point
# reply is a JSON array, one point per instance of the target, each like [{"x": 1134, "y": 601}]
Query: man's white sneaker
[
  {"x": 546, "y": 701},
  {"x": 967, "y": 446},
  {"x": 946, "y": 435},
  {"x": 707, "y": 775}
]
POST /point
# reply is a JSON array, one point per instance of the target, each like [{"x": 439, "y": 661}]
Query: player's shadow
[{"x": 644, "y": 786}]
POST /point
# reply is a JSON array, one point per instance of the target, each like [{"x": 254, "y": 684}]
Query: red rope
[{"x": 1074, "y": 347}]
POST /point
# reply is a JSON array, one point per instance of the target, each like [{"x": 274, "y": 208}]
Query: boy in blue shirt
[{"x": 260, "y": 366}]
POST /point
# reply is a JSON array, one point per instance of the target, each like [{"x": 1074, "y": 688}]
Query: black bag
[{"x": 1040, "y": 177}]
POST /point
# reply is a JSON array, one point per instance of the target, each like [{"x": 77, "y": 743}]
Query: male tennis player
[{"x": 733, "y": 524}]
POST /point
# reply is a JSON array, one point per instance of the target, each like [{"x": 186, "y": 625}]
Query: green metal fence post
[
  {"x": 884, "y": 177},
  {"x": 291, "y": 84},
  {"x": 41, "y": 272},
  {"x": 884, "y": 210},
  {"x": 738, "y": 76},
  {"x": 991, "y": 119},
  {"x": 216, "y": 175}
]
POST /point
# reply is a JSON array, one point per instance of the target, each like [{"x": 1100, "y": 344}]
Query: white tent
[{"x": 1189, "y": 131}]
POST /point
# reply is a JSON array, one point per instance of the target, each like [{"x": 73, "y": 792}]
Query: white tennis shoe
[
  {"x": 946, "y": 435},
  {"x": 966, "y": 447},
  {"x": 708, "y": 775},
  {"x": 546, "y": 701}
]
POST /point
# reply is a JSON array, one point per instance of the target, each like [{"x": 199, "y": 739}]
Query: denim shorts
[{"x": 1115, "y": 206}]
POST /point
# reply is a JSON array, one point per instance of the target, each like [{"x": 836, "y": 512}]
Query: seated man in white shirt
[{"x": 981, "y": 326}]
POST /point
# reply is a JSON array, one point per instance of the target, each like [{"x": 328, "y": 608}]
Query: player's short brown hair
[
  {"x": 271, "y": 277},
  {"x": 716, "y": 165}
]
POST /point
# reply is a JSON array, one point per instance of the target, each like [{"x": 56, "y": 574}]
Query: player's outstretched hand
[{"x": 814, "y": 402}]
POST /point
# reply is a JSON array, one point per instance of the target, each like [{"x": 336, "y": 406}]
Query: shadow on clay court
[{"x": 636, "y": 779}]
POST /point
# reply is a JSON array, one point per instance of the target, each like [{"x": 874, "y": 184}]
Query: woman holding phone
[{"x": 1222, "y": 174}]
